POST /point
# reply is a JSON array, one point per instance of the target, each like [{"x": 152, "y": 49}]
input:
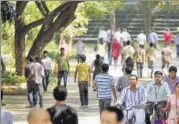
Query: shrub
[{"x": 12, "y": 79}]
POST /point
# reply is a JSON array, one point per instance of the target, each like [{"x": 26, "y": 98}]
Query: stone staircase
[{"x": 134, "y": 22}]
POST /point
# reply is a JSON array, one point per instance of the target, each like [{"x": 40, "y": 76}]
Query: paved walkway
[{"x": 17, "y": 104}]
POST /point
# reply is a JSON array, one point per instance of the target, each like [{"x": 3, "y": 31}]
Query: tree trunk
[
  {"x": 113, "y": 20},
  {"x": 19, "y": 47},
  {"x": 3, "y": 66}
]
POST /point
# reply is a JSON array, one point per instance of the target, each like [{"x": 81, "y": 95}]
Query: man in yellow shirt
[
  {"x": 84, "y": 79},
  {"x": 63, "y": 66}
]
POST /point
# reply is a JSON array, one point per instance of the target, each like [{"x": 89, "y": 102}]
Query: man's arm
[
  {"x": 75, "y": 75},
  {"x": 89, "y": 72},
  {"x": 68, "y": 65},
  {"x": 114, "y": 93}
]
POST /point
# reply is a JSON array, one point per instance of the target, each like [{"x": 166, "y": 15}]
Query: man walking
[
  {"x": 177, "y": 43},
  {"x": 84, "y": 79},
  {"x": 105, "y": 84},
  {"x": 80, "y": 49},
  {"x": 150, "y": 58},
  {"x": 39, "y": 76},
  {"x": 157, "y": 93},
  {"x": 61, "y": 113},
  {"x": 153, "y": 38},
  {"x": 141, "y": 39},
  {"x": 140, "y": 60},
  {"x": 63, "y": 66},
  {"x": 47, "y": 63},
  {"x": 166, "y": 56},
  {"x": 31, "y": 85},
  {"x": 125, "y": 37},
  {"x": 128, "y": 51},
  {"x": 133, "y": 97}
]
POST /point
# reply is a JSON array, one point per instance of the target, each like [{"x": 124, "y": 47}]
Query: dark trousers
[
  {"x": 109, "y": 53},
  {"x": 177, "y": 49},
  {"x": 83, "y": 90},
  {"x": 139, "y": 69},
  {"x": 31, "y": 93},
  {"x": 103, "y": 103},
  {"x": 63, "y": 74},
  {"x": 46, "y": 79}
]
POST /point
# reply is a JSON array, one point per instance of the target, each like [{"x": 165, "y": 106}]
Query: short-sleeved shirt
[
  {"x": 140, "y": 55},
  {"x": 171, "y": 84},
  {"x": 104, "y": 83},
  {"x": 151, "y": 54},
  {"x": 62, "y": 62},
  {"x": 128, "y": 51},
  {"x": 167, "y": 53},
  {"x": 83, "y": 70}
]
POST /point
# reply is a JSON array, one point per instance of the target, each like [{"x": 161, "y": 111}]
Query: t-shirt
[
  {"x": 128, "y": 51},
  {"x": 63, "y": 114},
  {"x": 104, "y": 83},
  {"x": 6, "y": 117},
  {"x": 167, "y": 53},
  {"x": 140, "y": 55},
  {"x": 62, "y": 62},
  {"x": 167, "y": 36},
  {"x": 150, "y": 54},
  {"x": 83, "y": 71}
]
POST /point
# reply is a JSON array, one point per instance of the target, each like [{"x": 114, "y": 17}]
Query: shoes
[
  {"x": 29, "y": 106},
  {"x": 82, "y": 107}
]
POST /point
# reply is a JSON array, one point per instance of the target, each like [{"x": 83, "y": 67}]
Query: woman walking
[
  {"x": 97, "y": 65},
  {"x": 173, "y": 107}
]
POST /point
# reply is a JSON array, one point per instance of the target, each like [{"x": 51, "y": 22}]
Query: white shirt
[
  {"x": 109, "y": 33},
  {"x": 6, "y": 117},
  {"x": 102, "y": 34},
  {"x": 38, "y": 73},
  {"x": 47, "y": 63},
  {"x": 126, "y": 36},
  {"x": 141, "y": 38},
  {"x": 118, "y": 36},
  {"x": 80, "y": 48},
  {"x": 152, "y": 37}
]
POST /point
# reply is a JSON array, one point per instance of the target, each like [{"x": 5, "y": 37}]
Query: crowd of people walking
[{"x": 158, "y": 101}]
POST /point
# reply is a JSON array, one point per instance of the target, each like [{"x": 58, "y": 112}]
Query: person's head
[
  {"x": 128, "y": 70},
  {"x": 38, "y": 116},
  {"x": 177, "y": 88},
  {"x": 172, "y": 71},
  {"x": 128, "y": 42},
  {"x": 132, "y": 80},
  {"x": 62, "y": 51},
  {"x": 105, "y": 68},
  {"x": 151, "y": 44},
  {"x": 60, "y": 93},
  {"x": 112, "y": 115},
  {"x": 158, "y": 77},
  {"x": 97, "y": 56},
  {"x": 31, "y": 59},
  {"x": 38, "y": 59},
  {"x": 82, "y": 58},
  {"x": 45, "y": 53}
]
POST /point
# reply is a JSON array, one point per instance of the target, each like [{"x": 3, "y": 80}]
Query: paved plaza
[{"x": 16, "y": 104}]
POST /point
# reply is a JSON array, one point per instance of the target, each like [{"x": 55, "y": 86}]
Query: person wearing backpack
[{"x": 61, "y": 113}]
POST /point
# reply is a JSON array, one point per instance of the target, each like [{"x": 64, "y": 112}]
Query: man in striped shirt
[
  {"x": 133, "y": 97},
  {"x": 105, "y": 84}
]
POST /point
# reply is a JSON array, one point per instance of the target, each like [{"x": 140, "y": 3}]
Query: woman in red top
[{"x": 115, "y": 52}]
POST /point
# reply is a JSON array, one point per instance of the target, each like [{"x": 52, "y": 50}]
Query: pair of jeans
[
  {"x": 139, "y": 69},
  {"x": 38, "y": 94},
  {"x": 104, "y": 103},
  {"x": 31, "y": 92},
  {"x": 177, "y": 49},
  {"x": 46, "y": 79},
  {"x": 63, "y": 74},
  {"x": 83, "y": 90},
  {"x": 109, "y": 53}
]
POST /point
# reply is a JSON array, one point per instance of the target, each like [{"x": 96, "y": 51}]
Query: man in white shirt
[
  {"x": 118, "y": 35},
  {"x": 102, "y": 35},
  {"x": 80, "y": 49},
  {"x": 153, "y": 38},
  {"x": 47, "y": 63},
  {"x": 125, "y": 37},
  {"x": 6, "y": 117},
  {"x": 141, "y": 39}
]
